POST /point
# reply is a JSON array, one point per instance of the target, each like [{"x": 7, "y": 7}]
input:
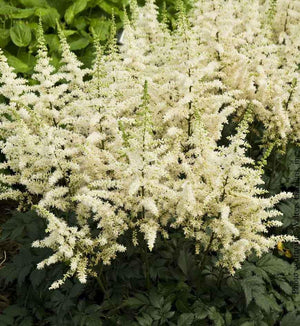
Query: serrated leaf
[
  {"x": 266, "y": 302},
  {"x": 20, "y": 34},
  {"x": 134, "y": 302},
  {"x": 184, "y": 261},
  {"x": 286, "y": 287},
  {"x": 248, "y": 323},
  {"x": 252, "y": 285},
  {"x": 37, "y": 276},
  {"x": 23, "y": 273},
  {"x": 273, "y": 265},
  {"x": 291, "y": 319},
  {"x": 185, "y": 319},
  {"x": 144, "y": 320},
  {"x": 215, "y": 316},
  {"x": 155, "y": 299}
]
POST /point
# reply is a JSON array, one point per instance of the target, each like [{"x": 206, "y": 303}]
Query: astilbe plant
[{"x": 132, "y": 143}]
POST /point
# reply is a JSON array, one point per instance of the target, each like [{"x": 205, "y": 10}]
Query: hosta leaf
[
  {"x": 19, "y": 65},
  {"x": 34, "y": 3},
  {"x": 20, "y": 34},
  {"x": 49, "y": 15},
  {"x": 100, "y": 27},
  {"x": 79, "y": 44},
  {"x": 74, "y": 9},
  {"x": 23, "y": 13},
  {"x": 52, "y": 41},
  {"x": 108, "y": 8},
  {"x": 7, "y": 10}
]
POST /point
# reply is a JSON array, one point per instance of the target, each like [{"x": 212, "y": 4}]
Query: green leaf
[
  {"x": 20, "y": 34},
  {"x": 144, "y": 320},
  {"x": 6, "y": 320},
  {"x": 23, "y": 273},
  {"x": 155, "y": 299},
  {"x": 4, "y": 37},
  {"x": 80, "y": 22},
  {"x": 74, "y": 9},
  {"x": 53, "y": 42},
  {"x": 273, "y": 265},
  {"x": 23, "y": 13},
  {"x": 37, "y": 276},
  {"x": 184, "y": 261},
  {"x": 266, "y": 302},
  {"x": 7, "y": 10},
  {"x": 134, "y": 302},
  {"x": 34, "y": 3},
  {"x": 27, "y": 321},
  {"x": 291, "y": 319},
  {"x": 79, "y": 44},
  {"x": 49, "y": 16},
  {"x": 286, "y": 287},
  {"x": 109, "y": 8},
  {"x": 69, "y": 32},
  {"x": 251, "y": 286},
  {"x": 185, "y": 319},
  {"x": 19, "y": 65},
  {"x": 216, "y": 317},
  {"x": 228, "y": 318},
  {"x": 100, "y": 27}
]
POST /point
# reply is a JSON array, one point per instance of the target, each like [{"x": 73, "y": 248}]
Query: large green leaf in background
[
  {"x": 80, "y": 20},
  {"x": 20, "y": 34}
]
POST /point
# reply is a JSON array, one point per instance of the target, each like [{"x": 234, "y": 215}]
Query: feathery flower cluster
[{"x": 132, "y": 143}]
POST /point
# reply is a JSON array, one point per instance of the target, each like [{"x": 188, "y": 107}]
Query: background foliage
[
  {"x": 79, "y": 18},
  {"x": 170, "y": 286}
]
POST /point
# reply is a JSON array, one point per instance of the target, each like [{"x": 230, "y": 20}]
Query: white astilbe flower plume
[{"x": 133, "y": 142}]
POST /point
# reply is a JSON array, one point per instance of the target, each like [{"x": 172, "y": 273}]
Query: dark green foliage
[{"x": 166, "y": 287}]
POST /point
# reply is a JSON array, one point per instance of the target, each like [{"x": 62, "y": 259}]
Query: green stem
[
  {"x": 202, "y": 262},
  {"x": 220, "y": 278},
  {"x": 146, "y": 264}
]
